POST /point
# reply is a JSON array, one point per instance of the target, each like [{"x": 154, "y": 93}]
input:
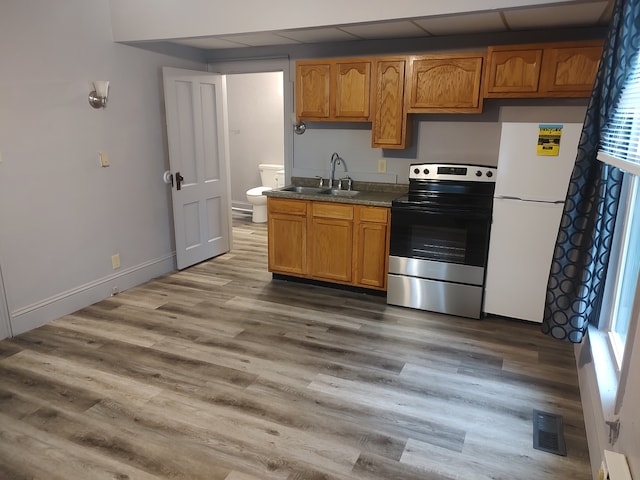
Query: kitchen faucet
[{"x": 335, "y": 159}]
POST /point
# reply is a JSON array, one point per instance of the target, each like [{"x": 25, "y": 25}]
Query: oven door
[
  {"x": 437, "y": 259},
  {"x": 451, "y": 236}
]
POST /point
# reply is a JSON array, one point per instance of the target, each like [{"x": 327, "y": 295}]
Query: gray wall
[
  {"x": 62, "y": 215},
  {"x": 458, "y": 138}
]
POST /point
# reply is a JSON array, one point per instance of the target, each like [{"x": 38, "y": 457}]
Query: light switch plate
[
  {"x": 382, "y": 165},
  {"x": 104, "y": 159}
]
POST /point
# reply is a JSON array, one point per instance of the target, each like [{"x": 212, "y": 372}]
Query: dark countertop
[{"x": 370, "y": 193}]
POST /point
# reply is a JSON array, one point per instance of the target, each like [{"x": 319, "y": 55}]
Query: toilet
[{"x": 272, "y": 176}]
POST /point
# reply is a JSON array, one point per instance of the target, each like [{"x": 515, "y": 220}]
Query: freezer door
[
  {"x": 523, "y": 236},
  {"x": 524, "y": 174}
]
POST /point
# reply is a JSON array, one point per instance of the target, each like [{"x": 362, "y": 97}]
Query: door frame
[
  {"x": 258, "y": 65},
  {"x": 5, "y": 318}
]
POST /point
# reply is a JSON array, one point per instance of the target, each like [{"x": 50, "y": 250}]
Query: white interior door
[{"x": 199, "y": 161}]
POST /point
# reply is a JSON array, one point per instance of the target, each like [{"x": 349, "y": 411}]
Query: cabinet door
[
  {"x": 352, "y": 91},
  {"x": 287, "y": 236},
  {"x": 570, "y": 70},
  {"x": 312, "y": 90},
  {"x": 513, "y": 70},
  {"x": 331, "y": 242},
  {"x": 445, "y": 84},
  {"x": 372, "y": 247},
  {"x": 389, "y": 122}
]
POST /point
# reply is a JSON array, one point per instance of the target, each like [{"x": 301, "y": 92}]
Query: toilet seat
[{"x": 257, "y": 191}]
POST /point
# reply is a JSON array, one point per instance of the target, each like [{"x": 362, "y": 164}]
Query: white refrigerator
[{"x": 527, "y": 209}]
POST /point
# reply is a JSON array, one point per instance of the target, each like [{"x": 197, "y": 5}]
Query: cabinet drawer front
[
  {"x": 332, "y": 210},
  {"x": 373, "y": 214},
  {"x": 291, "y": 207}
]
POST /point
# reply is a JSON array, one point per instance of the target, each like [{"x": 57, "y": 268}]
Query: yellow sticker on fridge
[{"x": 549, "y": 140}]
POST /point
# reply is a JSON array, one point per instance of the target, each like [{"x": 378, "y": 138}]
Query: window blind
[{"x": 620, "y": 139}]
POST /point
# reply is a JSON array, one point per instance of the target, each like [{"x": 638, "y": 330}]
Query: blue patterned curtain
[{"x": 581, "y": 256}]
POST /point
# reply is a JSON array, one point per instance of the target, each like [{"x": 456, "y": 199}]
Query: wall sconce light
[
  {"x": 98, "y": 96},
  {"x": 298, "y": 125}
]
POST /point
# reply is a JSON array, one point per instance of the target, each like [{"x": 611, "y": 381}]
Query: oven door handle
[{"x": 466, "y": 214}]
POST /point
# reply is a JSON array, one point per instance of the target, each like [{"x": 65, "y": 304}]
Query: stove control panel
[{"x": 448, "y": 171}]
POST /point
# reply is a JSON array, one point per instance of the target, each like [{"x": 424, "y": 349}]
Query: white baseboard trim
[
  {"x": 242, "y": 206},
  {"x": 64, "y": 303}
]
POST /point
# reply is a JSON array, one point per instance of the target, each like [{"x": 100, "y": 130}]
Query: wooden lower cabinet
[
  {"x": 372, "y": 241},
  {"x": 287, "y": 236},
  {"x": 331, "y": 241},
  {"x": 327, "y": 241}
]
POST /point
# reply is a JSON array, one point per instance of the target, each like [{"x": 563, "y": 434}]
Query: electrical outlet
[
  {"x": 382, "y": 165},
  {"x": 115, "y": 261},
  {"x": 104, "y": 159}
]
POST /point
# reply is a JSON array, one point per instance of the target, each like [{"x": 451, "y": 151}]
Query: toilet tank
[{"x": 269, "y": 174}]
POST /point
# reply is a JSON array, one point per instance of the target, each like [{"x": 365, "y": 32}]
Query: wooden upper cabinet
[
  {"x": 333, "y": 90},
  {"x": 570, "y": 69},
  {"x": 513, "y": 70},
  {"x": 542, "y": 70},
  {"x": 352, "y": 90},
  {"x": 389, "y": 122},
  {"x": 447, "y": 83},
  {"x": 312, "y": 90}
]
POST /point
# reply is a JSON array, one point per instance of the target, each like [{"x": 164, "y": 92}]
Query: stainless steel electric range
[{"x": 440, "y": 239}]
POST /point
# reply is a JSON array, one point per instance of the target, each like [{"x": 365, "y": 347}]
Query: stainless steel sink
[
  {"x": 339, "y": 193},
  {"x": 307, "y": 190}
]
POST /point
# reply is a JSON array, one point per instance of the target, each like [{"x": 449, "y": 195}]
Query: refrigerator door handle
[
  {"x": 507, "y": 197},
  {"x": 520, "y": 199}
]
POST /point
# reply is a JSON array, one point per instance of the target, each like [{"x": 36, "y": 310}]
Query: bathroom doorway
[
  {"x": 247, "y": 131},
  {"x": 256, "y": 130}
]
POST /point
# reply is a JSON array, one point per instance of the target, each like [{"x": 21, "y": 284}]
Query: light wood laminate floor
[{"x": 220, "y": 372}]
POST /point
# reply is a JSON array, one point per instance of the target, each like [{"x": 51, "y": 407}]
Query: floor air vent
[{"x": 548, "y": 433}]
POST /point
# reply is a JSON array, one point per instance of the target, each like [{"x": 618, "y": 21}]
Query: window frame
[
  {"x": 630, "y": 193},
  {"x": 620, "y": 148}
]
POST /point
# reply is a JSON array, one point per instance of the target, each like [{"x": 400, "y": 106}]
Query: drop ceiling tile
[
  {"x": 259, "y": 39},
  {"x": 208, "y": 43},
  {"x": 317, "y": 35},
  {"x": 558, "y": 16},
  {"x": 463, "y": 24},
  {"x": 385, "y": 30}
]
